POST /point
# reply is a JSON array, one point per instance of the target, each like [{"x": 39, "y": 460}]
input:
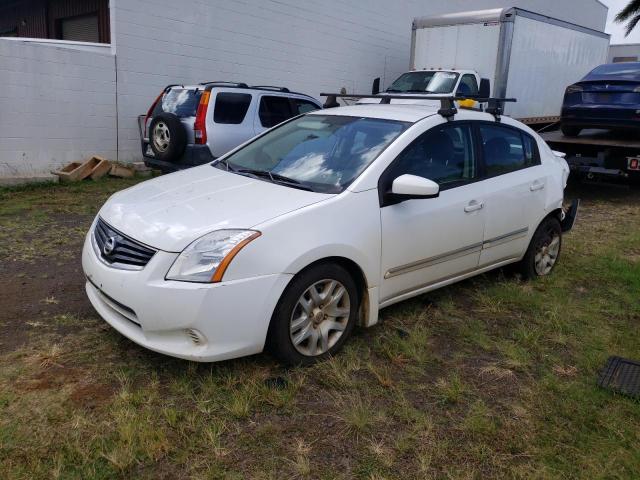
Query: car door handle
[
  {"x": 536, "y": 186},
  {"x": 473, "y": 206}
]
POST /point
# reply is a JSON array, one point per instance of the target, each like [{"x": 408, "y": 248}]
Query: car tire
[
  {"x": 544, "y": 250},
  {"x": 167, "y": 137},
  {"x": 570, "y": 131},
  {"x": 301, "y": 335}
]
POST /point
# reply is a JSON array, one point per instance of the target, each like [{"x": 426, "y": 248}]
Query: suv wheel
[
  {"x": 314, "y": 316},
  {"x": 544, "y": 250},
  {"x": 167, "y": 137}
]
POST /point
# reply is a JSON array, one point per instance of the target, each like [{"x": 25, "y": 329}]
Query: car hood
[{"x": 171, "y": 211}]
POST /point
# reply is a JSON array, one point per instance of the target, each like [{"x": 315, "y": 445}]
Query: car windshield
[
  {"x": 323, "y": 153},
  {"x": 425, "y": 82}
]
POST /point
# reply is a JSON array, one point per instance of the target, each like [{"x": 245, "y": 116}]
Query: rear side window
[
  {"x": 231, "y": 108},
  {"x": 274, "y": 110},
  {"x": 304, "y": 106},
  {"x": 179, "y": 101},
  {"x": 506, "y": 150}
]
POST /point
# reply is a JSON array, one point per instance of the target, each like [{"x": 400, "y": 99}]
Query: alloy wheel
[
  {"x": 161, "y": 136},
  {"x": 319, "y": 317},
  {"x": 547, "y": 253}
]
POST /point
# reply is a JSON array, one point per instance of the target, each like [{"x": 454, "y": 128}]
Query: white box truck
[{"x": 527, "y": 56}]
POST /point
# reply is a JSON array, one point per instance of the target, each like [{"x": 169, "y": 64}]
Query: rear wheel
[
  {"x": 570, "y": 131},
  {"x": 544, "y": 250},
  {"x": 314, "y": 316},
  {"x": 167, "y": 137}
]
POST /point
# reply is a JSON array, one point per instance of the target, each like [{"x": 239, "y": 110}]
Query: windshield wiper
[
  {"x": 225, "y": 162},
  {"x": 393, "y": 90},
  {"x": 275, "y": 178}
]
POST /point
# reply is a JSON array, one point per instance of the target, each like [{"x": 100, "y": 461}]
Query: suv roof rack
[
  {"x": 271, "y": 87},
  {"x": 226, "y": 84},
  {"x": 447, "y": 104}
]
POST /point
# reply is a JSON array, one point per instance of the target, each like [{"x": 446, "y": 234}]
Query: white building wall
[
  {"x": 629, "y": 51},
  {"x": 307, "y": 45},
  {"x": 57, "y": 105}
]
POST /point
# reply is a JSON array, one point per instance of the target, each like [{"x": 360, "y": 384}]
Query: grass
[{"x": 490, "y": 378}]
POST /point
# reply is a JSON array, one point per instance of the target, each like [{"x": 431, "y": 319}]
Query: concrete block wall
[
  {"x": 307, "y": 45},
  {"x": 57, "y": 105}
]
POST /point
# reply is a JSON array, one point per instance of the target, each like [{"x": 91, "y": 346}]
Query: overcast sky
[{"x": 616, "y": 29}]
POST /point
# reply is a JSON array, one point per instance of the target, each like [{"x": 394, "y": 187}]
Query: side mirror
[
  {"x": 485, "y": 88},
  {"x": 375, "y": 88},
  {"x": 408, "y": 187}
]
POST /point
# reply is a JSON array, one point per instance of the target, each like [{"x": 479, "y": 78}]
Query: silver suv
[{"x": 194, "y": 124}]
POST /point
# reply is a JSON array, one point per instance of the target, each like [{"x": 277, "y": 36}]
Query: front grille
[{"x": 118, "y": 249}]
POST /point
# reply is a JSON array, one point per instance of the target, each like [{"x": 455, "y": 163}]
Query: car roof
[
  {"x": 461, "y": 71},
  {"x": 615, "y": 71},
  {"x": 411, "y": 113}
]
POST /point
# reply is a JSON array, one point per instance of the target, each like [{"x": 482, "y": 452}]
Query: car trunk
[{"x": 610, "y": 92}]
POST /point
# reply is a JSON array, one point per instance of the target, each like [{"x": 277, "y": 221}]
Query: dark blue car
[{"x": 608, "y": 97}]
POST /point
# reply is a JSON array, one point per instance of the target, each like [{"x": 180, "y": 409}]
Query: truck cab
[{"x": 433, "y": 82}]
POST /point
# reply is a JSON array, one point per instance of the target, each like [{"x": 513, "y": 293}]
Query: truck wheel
[
  {"x": 544, "y": 250},
  {"x": 570, "y": 131},
  {"x": 634, "y": 181},
  {"x": 167, "y": 137},
  {"x": 314, "y": 316}
]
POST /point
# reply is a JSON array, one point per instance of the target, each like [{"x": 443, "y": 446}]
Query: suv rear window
[
  {"x": 179, "y": 101},
  {"x": 231, "y": 108}
]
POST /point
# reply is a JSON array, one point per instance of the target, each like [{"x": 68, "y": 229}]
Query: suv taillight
[
  {"x": 151, "y": 109},
  {"x": 200, "y": 125}
]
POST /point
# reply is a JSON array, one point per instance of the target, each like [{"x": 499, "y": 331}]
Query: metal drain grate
[{"x": 622, "y": 376}]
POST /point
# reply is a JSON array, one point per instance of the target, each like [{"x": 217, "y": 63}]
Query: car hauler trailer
[
  {"x": 526, "y": 55},
  {"x": 598, "y": 154}
]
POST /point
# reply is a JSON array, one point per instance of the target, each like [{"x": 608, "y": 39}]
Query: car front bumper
[{"x": 193, "y": 321}]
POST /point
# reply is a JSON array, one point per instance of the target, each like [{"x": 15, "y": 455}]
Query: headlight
[{"x": 206, "y": 259}]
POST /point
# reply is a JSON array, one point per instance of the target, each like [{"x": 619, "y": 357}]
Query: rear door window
[
  {"x": 181, "y": 102},
  {"x": 504, "y": 150},
  {"x": 231, "y": 107},
  {"x": 274, "y": 110}
]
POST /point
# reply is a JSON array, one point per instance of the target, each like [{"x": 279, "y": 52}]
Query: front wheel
[
  {"x": 544, "y": 250},
  {"x": 314, "y": 316}
]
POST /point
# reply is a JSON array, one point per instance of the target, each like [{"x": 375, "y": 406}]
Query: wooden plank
[
  {"x": 75, "y": 171},
  {"x": 101, "y": 169},
  {"x": 121, "y": 171}
]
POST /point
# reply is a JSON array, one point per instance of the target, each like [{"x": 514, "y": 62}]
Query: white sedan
[{"x": 295, "y": 237}]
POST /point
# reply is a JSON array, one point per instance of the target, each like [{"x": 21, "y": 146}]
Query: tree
[{"x": 631, "y": 15}]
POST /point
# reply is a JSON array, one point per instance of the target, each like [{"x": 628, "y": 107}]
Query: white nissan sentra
[{"x": 295, "y": 237}]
